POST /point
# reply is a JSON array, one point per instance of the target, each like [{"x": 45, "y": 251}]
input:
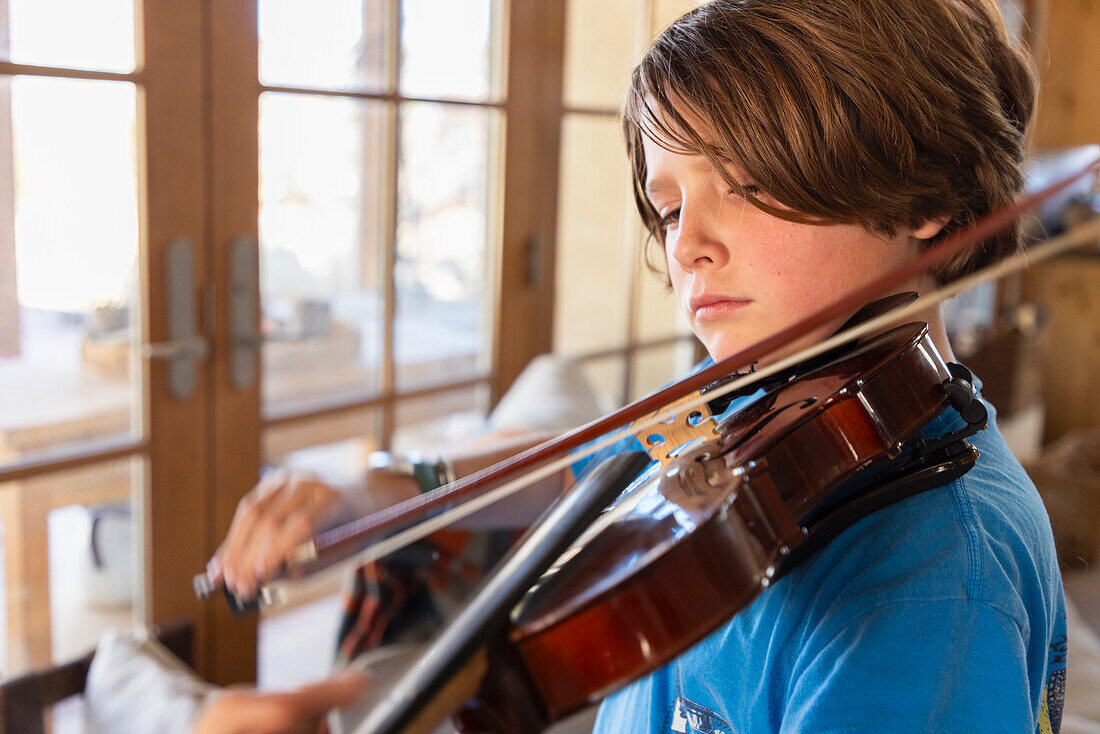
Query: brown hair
[{"x": 880, "y": 113}]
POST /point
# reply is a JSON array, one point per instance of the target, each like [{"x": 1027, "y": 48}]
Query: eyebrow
[
  {"x": 657, "y": 186},
  {"x": 660, "y": 184}
]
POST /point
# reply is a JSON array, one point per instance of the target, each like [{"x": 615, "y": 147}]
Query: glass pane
[
  {"x": 321, "y": 193},
  {"x": 447, "y": 164},
  {"x": 441, "y": 419},
  {"x": 70, "y": 33},
  {"x": 342, "y": 438},
  {"x": 68, "y": 569},
  {"x": 339, "y": 44},
  {"x": 68, "y": 264},
  {"x": 656, "y": 367},
  {"x": 600, "y": 51},
  {"x": 595, "y": 221},
  {"x": 449, "y": 49},
  {"x": 1014, "y": 14}
]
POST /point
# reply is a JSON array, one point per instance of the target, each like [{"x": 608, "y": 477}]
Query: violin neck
[
  {"x": 486, "y": 614},
  {"x": 449, "y": 697}
]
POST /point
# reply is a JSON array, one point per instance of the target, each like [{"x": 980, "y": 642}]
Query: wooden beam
[
  {"x": 533, "y": 108},
  {"x": 9, "y": 298},
  {"x": 7, "y": 68}
]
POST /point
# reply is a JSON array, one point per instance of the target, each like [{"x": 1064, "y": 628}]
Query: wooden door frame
[
  {"x": 201, "y": 136},
  {"x": 523, "y": 323},
  {"x": 233, "y": 202},
  {"x": 178, "y": 500},
  {"x": 170, "y": 505}
]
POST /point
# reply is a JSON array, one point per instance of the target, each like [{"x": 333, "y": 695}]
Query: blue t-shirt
[{"x": 942, "y": 612}]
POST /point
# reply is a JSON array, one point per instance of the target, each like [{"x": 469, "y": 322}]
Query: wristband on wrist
[{"x": 428, "y": 474}]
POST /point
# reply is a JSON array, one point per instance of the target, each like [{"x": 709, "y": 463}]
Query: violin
[{"x": 694, "y": 539}]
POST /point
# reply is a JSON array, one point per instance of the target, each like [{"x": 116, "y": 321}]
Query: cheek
[{"x": 796, "y": 270}]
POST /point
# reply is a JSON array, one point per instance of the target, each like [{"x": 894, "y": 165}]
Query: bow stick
[{"x": 344, "y": 542}]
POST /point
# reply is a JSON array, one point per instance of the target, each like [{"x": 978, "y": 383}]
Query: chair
[{"x": 25, "y": 701}]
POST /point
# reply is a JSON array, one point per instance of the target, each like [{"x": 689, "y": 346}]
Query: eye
[{"x": 669, "y": 219}]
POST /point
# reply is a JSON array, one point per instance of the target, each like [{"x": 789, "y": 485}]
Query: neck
[{"x": 938, "y": 332}]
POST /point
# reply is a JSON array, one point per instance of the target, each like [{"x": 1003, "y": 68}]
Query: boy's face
[{"x": 741, "y": 274}]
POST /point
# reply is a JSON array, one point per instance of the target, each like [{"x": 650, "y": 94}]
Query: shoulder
[
  {"x": 981, "y": 539},
  {"x": 962, "y": 578}
]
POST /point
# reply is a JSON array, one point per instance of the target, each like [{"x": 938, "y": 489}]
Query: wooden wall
[
  {"x": 1069, "y": 290},
  {"x": 1068, "y": 55}
]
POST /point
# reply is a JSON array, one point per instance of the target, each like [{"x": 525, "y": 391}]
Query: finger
[
  {"x": 312, "y": 504},
  {"x": 252, "y": 503},
  {"x": 272, "y": 535},
  {"x": 269, "y": 713},
  {"x": 214, "y": 570},
  {"x": 292, "y": 711},
  {"x": 277, "y": 548},
  {"x": 339, "y": 690},
  {"x": 251, "y": 511}
]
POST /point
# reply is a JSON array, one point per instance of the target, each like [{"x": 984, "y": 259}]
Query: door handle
[
  {"x": 244, "y": 298},
  {"x": 185, "y": 346},
  {"x": 194, "y": 347}
]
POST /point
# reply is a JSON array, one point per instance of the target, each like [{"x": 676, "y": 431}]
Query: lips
[{"x": 710, "y": 306}]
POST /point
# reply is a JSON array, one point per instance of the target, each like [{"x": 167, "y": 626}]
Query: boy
[{"x": 783, "y": 153}]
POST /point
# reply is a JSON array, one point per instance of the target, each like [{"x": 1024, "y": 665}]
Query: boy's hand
[
  {"x": 283, "y": 511},
  {"x": 286, "y": 509},
  {"x": 302, "y": 711}
]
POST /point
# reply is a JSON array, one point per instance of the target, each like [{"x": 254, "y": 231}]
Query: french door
[
  {"x": 104, "y": 491},
  {"x": 242, "y": 232}
]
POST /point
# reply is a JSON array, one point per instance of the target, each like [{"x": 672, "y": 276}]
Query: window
[
  {"x": 391, "y": 170},
  {"x": 79, "y": 415},
  {"x": 610, "y": 311}
]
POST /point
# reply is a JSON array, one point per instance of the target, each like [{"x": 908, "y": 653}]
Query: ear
[{"x": 931, "y": 227}]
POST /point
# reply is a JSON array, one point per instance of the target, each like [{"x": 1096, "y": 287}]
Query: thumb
[
  {"x": 339, "y": 690},
  {"x": 214, "y": 568}
]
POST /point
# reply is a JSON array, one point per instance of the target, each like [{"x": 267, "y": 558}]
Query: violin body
[{"x": 692, "y": 542}]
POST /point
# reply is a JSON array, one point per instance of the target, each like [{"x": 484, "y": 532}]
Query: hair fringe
[{"x": 864, "y": 112}]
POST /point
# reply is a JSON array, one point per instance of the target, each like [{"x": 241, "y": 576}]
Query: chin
[
  {"x": 722, "y": 343},
  {"x": 720, "y": 349}
]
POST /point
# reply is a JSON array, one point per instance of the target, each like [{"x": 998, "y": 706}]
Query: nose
[{"x": 695, "y": 243}]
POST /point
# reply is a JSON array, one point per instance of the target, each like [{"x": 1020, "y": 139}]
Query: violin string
[{"x": 280, "y": 592}]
